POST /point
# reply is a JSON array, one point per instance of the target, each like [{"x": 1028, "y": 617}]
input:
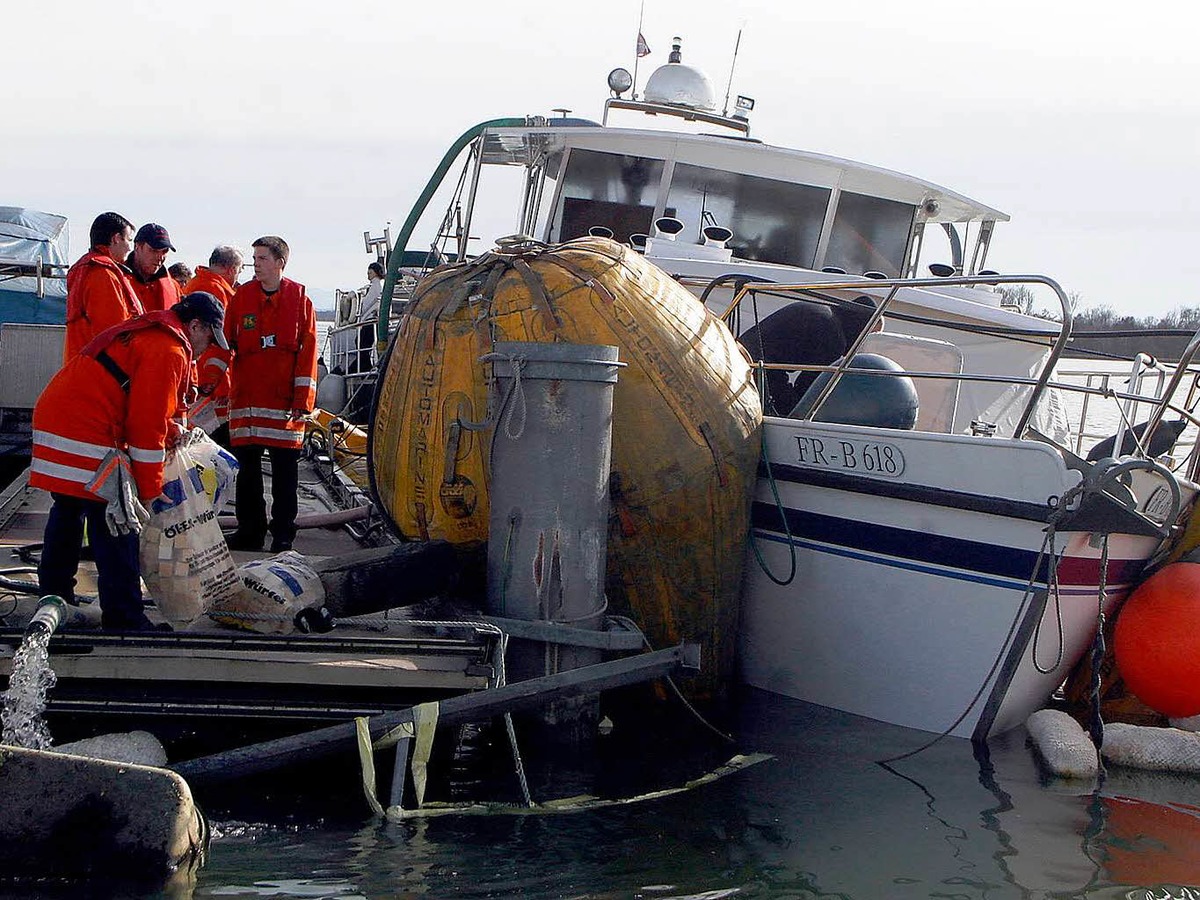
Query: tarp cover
[{"x": 26, "y": 236}]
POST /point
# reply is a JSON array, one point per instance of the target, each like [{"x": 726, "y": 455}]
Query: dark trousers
[
  {"x": 285, "y": 483},
  {"x": 117, "y": 563},
  {"x": 221, "y": 437}
]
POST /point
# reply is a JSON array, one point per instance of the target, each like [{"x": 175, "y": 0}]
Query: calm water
[{"x": 820, "y": 819}]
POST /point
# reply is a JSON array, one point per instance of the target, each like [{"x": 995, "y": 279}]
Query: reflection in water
[{"x": 823, "y": 819}]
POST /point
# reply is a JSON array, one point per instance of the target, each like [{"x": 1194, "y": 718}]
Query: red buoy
[{"x": 1157, "y": 642}]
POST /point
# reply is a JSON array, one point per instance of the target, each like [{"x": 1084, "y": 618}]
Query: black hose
[{"x": 20, "y": 587}]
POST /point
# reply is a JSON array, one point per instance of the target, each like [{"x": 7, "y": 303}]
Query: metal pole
[{"x": 270, "y": 755}]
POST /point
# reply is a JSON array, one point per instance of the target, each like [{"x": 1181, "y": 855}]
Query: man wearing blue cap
[
  {"x": 151, "y": 281},
  {"x": 115, "y": 405}
]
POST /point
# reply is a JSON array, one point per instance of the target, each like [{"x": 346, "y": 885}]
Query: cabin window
[
  {"x": 608, "y": 189},
  {"x": 772, "y": 221},
  {"x": 870, "y": 235}
]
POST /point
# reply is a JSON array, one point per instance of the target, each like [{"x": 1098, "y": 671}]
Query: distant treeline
[{"x": 1101, "y": 330}]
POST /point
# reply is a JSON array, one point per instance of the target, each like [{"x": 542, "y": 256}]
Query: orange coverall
[
  {"x": 159, "y": 291},
  {"x": 85, "y": 411},
  {"x": 99, "y": 295},
  {"x": 213, "y": 364},
  {"x": 274, "y": 342}
]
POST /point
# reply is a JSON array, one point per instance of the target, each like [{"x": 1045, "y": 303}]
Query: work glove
[{"x": 114, "y": 483}]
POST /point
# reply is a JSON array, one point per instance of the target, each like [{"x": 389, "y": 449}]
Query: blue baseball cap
[
  {"x": 154, "y": 235},
  {"x": 208, "y": 309}
]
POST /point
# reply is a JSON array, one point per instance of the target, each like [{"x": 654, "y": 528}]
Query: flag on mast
[{"x": 643, "y": 49}]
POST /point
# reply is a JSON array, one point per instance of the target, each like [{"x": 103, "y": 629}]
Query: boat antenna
[
  {"x": 729, "y": 84},
  {"x": 641, "y": 49}
]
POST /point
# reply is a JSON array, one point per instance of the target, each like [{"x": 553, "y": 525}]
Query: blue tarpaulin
[{"x": 29, "y": 238}]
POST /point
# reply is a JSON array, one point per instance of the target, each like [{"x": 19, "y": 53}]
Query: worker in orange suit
[
  {"x": 149, "y": 276},
  {"x": 272, "y": 331},
  {"x": 99, "y": 294},
  {"x": 211, "y": 409},
  {"x": 122, "y": 392}
]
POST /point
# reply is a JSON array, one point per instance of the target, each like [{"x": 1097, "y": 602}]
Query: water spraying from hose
[{"x": 22, "y": 705}]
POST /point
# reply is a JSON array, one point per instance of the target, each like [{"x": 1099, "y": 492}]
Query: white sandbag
[
  {"x": 1063, "y": 745},
  {"x": 1158, "y": 749},
  {"x": 185, "y": 560},
  {"x": 275, "y": 590}
]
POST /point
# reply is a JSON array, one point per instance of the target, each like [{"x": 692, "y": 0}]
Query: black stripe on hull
[{"x": 887, "y": 540}]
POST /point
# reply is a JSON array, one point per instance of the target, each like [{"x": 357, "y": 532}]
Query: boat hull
[{"x": 917, "y": 601}]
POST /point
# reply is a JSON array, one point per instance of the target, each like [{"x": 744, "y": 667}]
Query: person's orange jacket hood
[{"x": 99, "y": 295}]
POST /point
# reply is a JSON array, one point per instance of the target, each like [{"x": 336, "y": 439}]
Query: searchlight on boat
[{"x": 619, "y": 81}]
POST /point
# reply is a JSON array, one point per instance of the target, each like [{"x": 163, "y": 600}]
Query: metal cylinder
[
  {"x": 48, "y": 616},
  {"x": 548, "y": 527}
]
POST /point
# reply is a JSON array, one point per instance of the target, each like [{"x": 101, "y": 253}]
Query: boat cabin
[{"x": 786, "y": 207}]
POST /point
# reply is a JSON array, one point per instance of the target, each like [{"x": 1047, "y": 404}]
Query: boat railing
[
  {"x": 37, "y": 269},
  {"x": 1149, "y": 395}
]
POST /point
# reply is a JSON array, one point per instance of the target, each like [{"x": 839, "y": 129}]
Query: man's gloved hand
[
  {"x": 175, "y": 433},
  {"x": 124, "y": 513}
]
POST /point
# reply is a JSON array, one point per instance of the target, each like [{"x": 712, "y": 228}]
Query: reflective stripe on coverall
[{"x": 85, "y": 411}]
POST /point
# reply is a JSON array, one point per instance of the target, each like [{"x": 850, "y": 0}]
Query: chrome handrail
[
  {"x": 894, "y": 285},
  {"x": 1185, "y": 361}
]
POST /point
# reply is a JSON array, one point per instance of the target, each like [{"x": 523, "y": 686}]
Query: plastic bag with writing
[
  {"x": 215, "y": 465},
  {"x": 275, "y": 592},
  {"x": 185, "y": 561}
]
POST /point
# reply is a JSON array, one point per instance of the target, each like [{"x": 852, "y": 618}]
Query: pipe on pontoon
[
  {"x": 316, "y": 520},
  {"x": 468, "y": 707}
]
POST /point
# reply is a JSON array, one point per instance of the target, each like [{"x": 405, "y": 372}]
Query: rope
[
  {"x": 1052, "y": 581},
  {"x": 8, "y": 595},
  {"x": 632, "y": 625},
  {"x": 762, "y": 563},
  {"x": 1096, "y": 719},
  {"x": 517, "y": 762},
  {"x": 517, "y": 392},
  {"x": 1059, "y": 508},
  {"x": 510, "y": 730}
]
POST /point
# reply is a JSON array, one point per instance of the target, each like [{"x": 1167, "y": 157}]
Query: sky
[{"x": 224, "y": 120}]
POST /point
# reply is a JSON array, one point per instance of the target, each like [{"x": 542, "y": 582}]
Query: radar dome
[{"x": 680, "y": 85}]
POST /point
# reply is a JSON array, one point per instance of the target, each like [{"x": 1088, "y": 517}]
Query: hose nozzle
[{"x": 49, "y": 615}]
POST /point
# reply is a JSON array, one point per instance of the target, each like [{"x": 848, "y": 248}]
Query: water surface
[{"x": 821, "y": 819}]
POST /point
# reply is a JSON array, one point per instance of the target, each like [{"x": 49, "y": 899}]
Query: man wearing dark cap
[
  {"x": 125, "y": 391},
  {"x": 151, "y": 281}
]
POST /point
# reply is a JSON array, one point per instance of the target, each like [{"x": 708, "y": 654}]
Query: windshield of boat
[
  {"x": 772, "y": 220},
  {"x": 607, "y": 190}
]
